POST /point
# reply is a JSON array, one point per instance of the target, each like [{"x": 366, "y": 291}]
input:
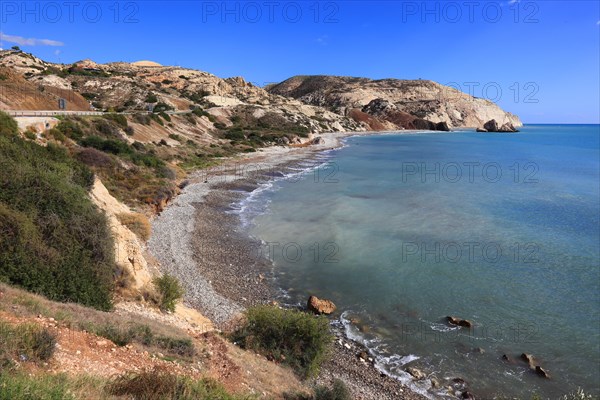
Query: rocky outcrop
[
  {"x": 419, "y": 98},
  {"x": 129, "y": 250},
  {"x": 416, "y": 373},
  {"x": 493, "y": 126},
  {"x": 320, "y": 306},
  {"x": 459, "y": 322},
  {"x": 542, "y": 372}
]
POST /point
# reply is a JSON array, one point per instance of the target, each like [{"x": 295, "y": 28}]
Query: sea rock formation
[
  {"x": 397, "y": 102},
  {"x": 493, "y": 126},
  {"x": 459, "y": 321},
  {"x": 320, "y": 306}
]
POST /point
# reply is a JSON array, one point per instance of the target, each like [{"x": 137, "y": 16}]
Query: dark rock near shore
[
  {"x": 528, "y": 358},
  {"x": 459, "y": 322},
  {"x": 442, "y": 126},
  {"x": 542, "y": 372},
  {"x": 508, "y": 127},
  {"x": 467, "y": 395},
  {"x": 317, "y": 140},
  {"x": 320, "y": 306},
  {"x": 491, "y": 126},
  {"x": 506, "y": 358}
]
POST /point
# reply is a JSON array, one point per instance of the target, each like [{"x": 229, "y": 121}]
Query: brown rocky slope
[{"x": 394, "y": 103}]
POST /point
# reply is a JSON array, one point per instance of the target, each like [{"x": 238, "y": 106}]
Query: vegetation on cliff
[
  {"x": 54, "y": 241},
  {"x": 298, "y": 339}
]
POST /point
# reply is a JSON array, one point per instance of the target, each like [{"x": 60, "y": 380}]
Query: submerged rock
[{"x": 320, "y": 306}]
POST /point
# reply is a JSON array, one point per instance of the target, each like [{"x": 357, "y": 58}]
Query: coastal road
[{"x": 54, "y": 113}]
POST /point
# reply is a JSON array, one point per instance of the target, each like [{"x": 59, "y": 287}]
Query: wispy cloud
[
  {"x": 513, "y": 1},
  {"x": 29, "y": 41},
  {"x": 323, "y": 40},
  {"x": 598, "y": 23}
]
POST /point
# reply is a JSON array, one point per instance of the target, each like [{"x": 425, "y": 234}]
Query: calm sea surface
[{"x": 402, "y": 230}]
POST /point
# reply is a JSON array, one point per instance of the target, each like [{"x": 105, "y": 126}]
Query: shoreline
[{"x": 197, "y": 238}]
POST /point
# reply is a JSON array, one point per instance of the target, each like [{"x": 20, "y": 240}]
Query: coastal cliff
[{"x": 393, "y": 103}]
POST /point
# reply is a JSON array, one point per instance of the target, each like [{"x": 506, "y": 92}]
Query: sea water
[{"x": 402, "y": 230}]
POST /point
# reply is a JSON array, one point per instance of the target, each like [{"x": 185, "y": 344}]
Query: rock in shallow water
[
  {"x": 320, "y": 306},
  {"x": 459, "y": 321}
]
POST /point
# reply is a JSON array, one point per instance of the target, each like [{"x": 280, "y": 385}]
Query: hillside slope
[{"x": 393, "y": 102}]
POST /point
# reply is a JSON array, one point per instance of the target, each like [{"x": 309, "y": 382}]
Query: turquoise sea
[{"x": 402, "y": 230}]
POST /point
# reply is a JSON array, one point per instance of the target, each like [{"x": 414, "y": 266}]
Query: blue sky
[{"x": 539, "y": 59}]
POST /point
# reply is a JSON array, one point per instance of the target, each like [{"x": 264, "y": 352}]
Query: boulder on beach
[
  {"x": 317, "y": 140},
  {"x": 320, "y": 306},
  {"x": 459, "y": 322}
]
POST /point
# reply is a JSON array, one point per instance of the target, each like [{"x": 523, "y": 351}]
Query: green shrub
[
  {"x": 234, "y": 135},
  {"x": 118, "y": 118},
  {"x": 162, "y": 385},
  {"x": 54, "y": 240},
  {"x": 170, "y": 291},
  {"x": 338, "y": 391},
  {"x": 151, "y": 98},
  {"x": 57, "y": 134},
  {"x": 157, "y": 119},
  {"x": 165, "y": 116},
  {"x": 8, "y": 125},
  {"x": 25, "y": 387},
  {"x": 70, "y": 129},
  {"x": 175, "y": 137},
  {"x": 296, "y": 338},
  {"x": 111, "y": 146},
  {"x": 25, "y": 342},
  {"x": 122, "y": 336},
  {"x": 161, "y": 107}
]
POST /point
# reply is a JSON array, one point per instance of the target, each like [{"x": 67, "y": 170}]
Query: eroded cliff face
[{"x": 393, "y": 101}]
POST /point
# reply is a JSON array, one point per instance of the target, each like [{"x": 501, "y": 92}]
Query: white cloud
[
  {"x": 598, "y": 23},
  {"x": 323, "y": 40},
  {"x": 29, "y": 41},
  {"x": 513, "y": 1}
]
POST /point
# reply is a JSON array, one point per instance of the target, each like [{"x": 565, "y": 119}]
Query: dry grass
[
  {"x": 23, "y": 304},
  {"x": 137, "y": 223}
]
